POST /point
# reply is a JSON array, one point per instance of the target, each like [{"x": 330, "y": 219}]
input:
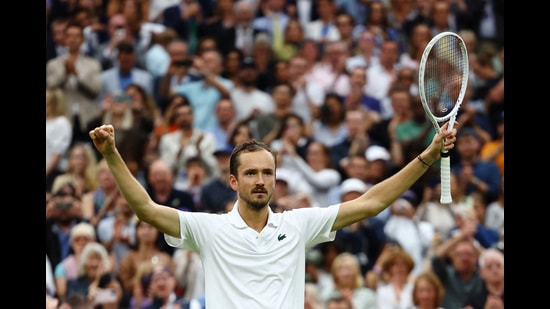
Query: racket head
[{"x": 443, "y": 77}]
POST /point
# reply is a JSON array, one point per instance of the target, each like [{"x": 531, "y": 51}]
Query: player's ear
[{"x": 233, "y": 182}]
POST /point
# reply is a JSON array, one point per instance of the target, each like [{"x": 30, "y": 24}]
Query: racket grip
[{"x": 446, "y": 197}]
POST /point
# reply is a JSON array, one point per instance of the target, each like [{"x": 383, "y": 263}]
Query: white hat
[
  {"x": 375, "y": 152},
  {"x": 83, "y": 229},
  {"x": 353, "y": 185},
  {"x": 282, "y": 175}
]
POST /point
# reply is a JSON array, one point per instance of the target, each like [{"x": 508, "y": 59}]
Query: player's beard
[{"x": 257, "y": 203}]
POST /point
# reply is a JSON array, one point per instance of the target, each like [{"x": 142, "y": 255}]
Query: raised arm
[
  {"x": 387, "y": 191},
  {"x": 164, "y": 218}
]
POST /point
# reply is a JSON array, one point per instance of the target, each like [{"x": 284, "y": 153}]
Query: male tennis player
[{"x": 252, "y": 257}]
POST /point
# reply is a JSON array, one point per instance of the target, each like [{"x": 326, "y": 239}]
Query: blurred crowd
[{"x": 331, "y": 85}]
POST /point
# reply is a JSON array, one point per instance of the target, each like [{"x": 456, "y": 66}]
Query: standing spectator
[
  {"x": 427, "y": 291},
  {"x": 58, "y": 134},
  {"x": 231, "y": 62},
  {"x": 204, "y": 94},
  {"x": 349, "y": 282},
  {"x": 80, "y": 78},
  {"x": 455, "y": 264},
  {"x": 293, "y": 37},
  {"x": 125, "y": 72},
  {"x": 491, "y": 265},
  {"x": 250, "y": 101},
  {"x": 177, "y": 147}
]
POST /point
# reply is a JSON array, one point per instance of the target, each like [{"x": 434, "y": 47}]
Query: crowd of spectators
[{"x": 330, "y": 84}]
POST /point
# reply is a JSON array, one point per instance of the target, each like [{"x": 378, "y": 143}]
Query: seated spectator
[
  {"x": 397, "y": 292},
  {"x": 349, "y": 282},
  {"x": 427, "y": 291},
  {"x": 95, "y": 277},
  {"x": 491, "y": 265},
  {"x": 147, "y": 249},
  {"x": 81, "y": 234}
]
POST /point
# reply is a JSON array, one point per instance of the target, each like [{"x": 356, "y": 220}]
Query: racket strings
[{"x": 443, "y": 76}]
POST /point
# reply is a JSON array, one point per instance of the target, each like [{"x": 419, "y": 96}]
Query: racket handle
[{"x": 446, "y": 197}]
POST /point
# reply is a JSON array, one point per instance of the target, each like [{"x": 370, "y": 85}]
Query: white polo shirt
[{"x": 251, "y": 270}]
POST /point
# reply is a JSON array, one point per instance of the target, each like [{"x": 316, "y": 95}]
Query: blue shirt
[{"x": 203, "y": 100}]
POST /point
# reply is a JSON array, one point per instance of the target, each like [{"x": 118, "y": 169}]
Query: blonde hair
[
  {"x": 55, "y": 96},
  {"x": 338, "y": 261},
  {"x": 89, "y": 249},
  {"x": 434, "y": 281},
  {"x": 83, "y": 229}
]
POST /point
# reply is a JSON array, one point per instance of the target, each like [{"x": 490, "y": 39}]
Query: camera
[
  {"x": 183, "y": 63},
  {"x": 63, "y": 205},
  {"x": 122, "y": 98},
  {"x": 120, "y": 32}
]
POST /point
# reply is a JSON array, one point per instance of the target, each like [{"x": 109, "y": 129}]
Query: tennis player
[{"x": 253, "y": 257}]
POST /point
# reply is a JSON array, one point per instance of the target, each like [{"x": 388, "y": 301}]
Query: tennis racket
[{"x": 442, "y": 82}]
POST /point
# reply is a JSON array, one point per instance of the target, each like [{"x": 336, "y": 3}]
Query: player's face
[{"x": 256, "y": 178}]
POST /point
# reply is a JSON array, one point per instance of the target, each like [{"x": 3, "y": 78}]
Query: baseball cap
[
  {"x": 247, "y": 62},
  {"x": 353, "y": 185},
  {"x": 376, "y": 152},
  {"x": 282, "y": 175},
  {"x": 225, "y": 150}
]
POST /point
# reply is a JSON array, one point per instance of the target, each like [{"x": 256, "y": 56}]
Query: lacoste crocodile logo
[{"x": 281, "y": 237}]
